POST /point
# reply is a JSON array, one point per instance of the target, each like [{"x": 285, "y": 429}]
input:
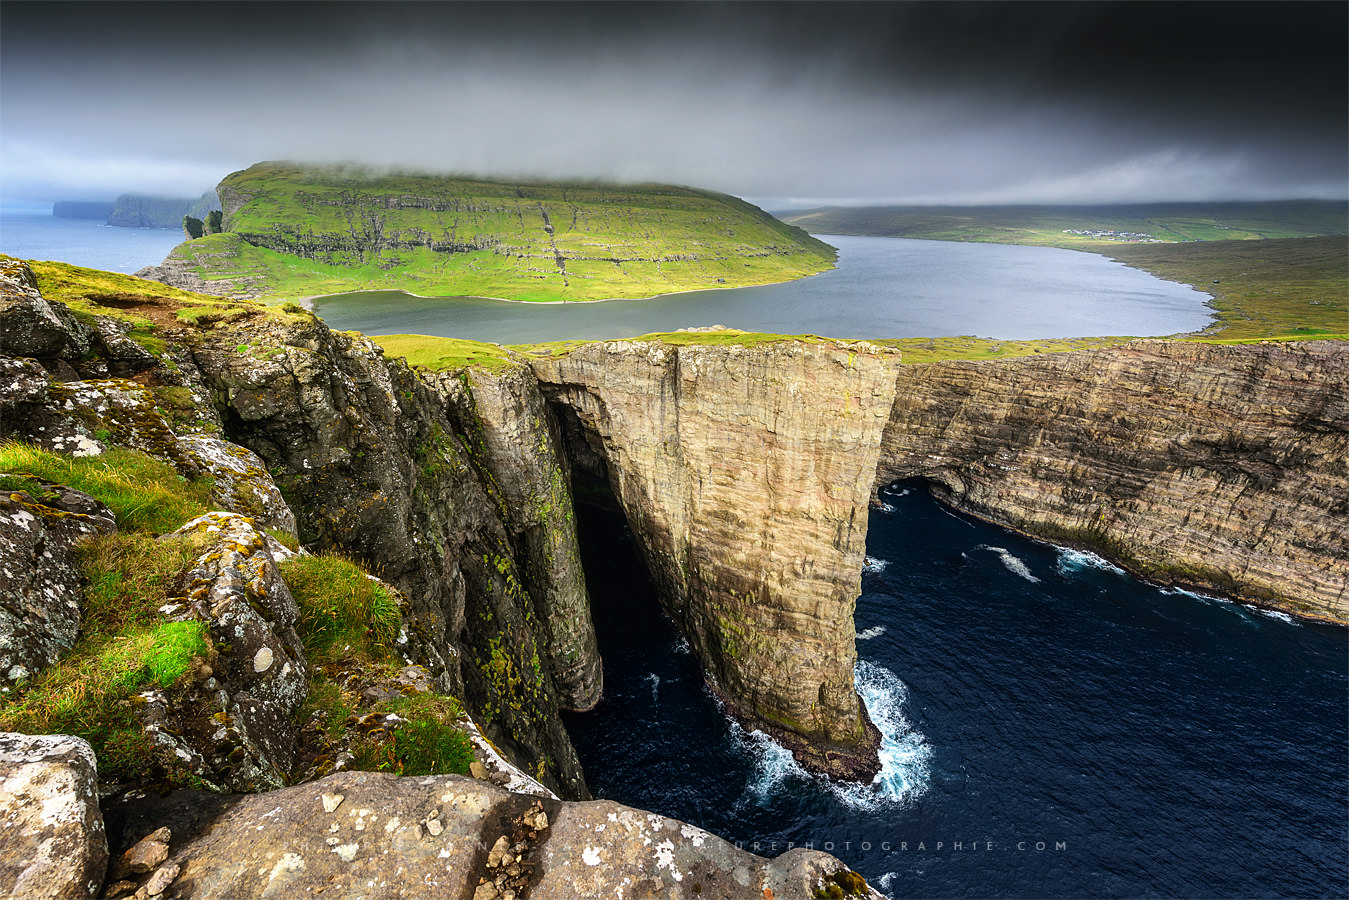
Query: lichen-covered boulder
[
  {"x": 40, "y": 582},
  {"x": 52, "y": 843},
  {"x": 30, "y": 325},
  {"x": 366, "y": 834},
  {"x": 121, "y": 356},
  {"x": 23, "y": 385},
  {"x": 240, "y": 482},
  {"x": 231, "y": 723}
]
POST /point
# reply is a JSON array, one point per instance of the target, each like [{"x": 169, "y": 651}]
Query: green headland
[{"x": 293, "y": 230}]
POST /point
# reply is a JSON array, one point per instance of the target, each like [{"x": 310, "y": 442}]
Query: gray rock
[
  {"x": 40, "y": 582},
  {"x": 52, "y": 843},
  {"x": 490, "y": 843},
  {"x": 32, "y": 326},
  {"x": 233, "y": 727},
  {"x": 240, "y": 482}
]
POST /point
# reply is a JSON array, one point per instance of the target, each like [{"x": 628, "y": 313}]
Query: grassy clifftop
[{"x": 294, "y": 230}]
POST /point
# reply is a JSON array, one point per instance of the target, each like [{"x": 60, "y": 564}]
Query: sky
[{"x": 786, "y": 104}]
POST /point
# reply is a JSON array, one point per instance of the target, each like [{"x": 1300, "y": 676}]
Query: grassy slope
[
  {"x": 1045, "y": 225},
  {"x": 306, "y": 231}
]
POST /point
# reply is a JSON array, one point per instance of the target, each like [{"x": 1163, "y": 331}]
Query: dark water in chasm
[
  {"x": 881, "y": 288},
  {"x": 1054, "y": 728}
]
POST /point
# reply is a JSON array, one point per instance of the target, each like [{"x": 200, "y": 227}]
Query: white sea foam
[
  {"x": 874, "y": 631},
  {"x": 887, "y": 882},
  {"x": 904, "y": 752},
  {"x": 874, "y": 565},
  {"x": 893, "y": 492},
  {"x": 882, "y": 506},
  {"x": 1272, "y": 614},
  {"x": 1071, "y": 561},
  {"x": 1013, "y": 564},
  {"x": 654, "y": 679},
  {"x": 682, "y": 646}
]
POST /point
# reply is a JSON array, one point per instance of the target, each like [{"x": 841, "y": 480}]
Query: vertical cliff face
[
  {"x": 745, "y": 473},
  {"x": 1220, "y": 467},
  {"x": 377, "y": 466},
  {"x": 512, "y": 439}
]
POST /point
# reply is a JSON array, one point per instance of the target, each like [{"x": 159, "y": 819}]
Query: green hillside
[
  {"x": 1084, "y": 227},
  {"x": 295, "y": 230}
]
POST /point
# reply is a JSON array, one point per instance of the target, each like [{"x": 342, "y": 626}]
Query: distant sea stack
[
  {"x": 138, "y": 211},
  {"x": 296, "y": 230}
]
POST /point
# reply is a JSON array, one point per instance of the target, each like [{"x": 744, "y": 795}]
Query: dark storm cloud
[{"x": 804, "y": 102}]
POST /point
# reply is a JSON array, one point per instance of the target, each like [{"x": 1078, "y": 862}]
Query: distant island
[
  {"x": 139, "y": 210},
  {"x": 293, "y": 230}
]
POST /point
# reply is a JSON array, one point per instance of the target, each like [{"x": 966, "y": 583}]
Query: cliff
[
  {"x": 304, "y": 230},
  {"x": 1224, "y": 468},
  {"x": 138, "y": 211}
]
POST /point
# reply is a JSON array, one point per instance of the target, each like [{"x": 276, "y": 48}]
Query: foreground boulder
[
  {"x": 363, "y": 834},
  {"x": 52, "y": 843},
  {"x": 40, "y": 582}
]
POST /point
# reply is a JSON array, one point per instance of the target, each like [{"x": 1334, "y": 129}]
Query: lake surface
[
  {"x": 32, "y": 232},
  {"x": 882, "y": 287},
  {"x": 1053, "y": 727}
]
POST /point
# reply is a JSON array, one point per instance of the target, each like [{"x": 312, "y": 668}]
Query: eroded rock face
[
  {"x": 52, "y": 843},
  {"x": 745, "y": 474},
  {"x": 32, "y": 326},
  {"x": 359, "y": 834},
  {"x": 379, "y": 470},
  {"x": 512, "y": 439},
  {"x": 40, "y": 581},
  {"x": 1219, "y": 467}
]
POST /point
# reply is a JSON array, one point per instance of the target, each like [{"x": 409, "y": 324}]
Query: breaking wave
[
  {"x": 1071, "y": 561},
  {"x": 1013, "y": 563},
  {"x": 874, "y": 631}
]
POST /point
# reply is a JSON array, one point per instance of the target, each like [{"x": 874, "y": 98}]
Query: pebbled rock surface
[
  {"x": 41, "y": 584},
  {"x": 52, "y": 842},
  {"x": 1216, "y": 467},
  {"x": 361, "y": 834},
  {"x": 745, "y": 473}
]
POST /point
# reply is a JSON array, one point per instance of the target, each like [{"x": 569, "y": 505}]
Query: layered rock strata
[
  {"x": 745, "y": 473},
  {"x": 1223, "y": 468}
]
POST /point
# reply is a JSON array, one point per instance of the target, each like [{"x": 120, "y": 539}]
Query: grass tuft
[
  {"x": 343, "y": 613},
  {"x": 145, "y": 494}
]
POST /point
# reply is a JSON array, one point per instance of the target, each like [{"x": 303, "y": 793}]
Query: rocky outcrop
[
  {"x": 40, "y": 582},
  {"x": 513, "y": 441},
  {"x": 376, "y": 466},
  {"x": 1218, "y": 467},
  {"x": 52, "y": 842},
  {"x": 358, "y": 834},
  {"x": 231, "y": 722},
  {"x": 745, "y": 472}
]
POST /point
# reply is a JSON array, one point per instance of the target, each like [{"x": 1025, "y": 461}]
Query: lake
[{"x": 881, "y": 288}]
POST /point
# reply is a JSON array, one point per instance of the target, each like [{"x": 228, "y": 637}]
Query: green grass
[
  {"x": 125, "y": 646},
  {"x": 444, "y": 354},
  {"x": 296, "y": 231},
  {"x": 1046, "y": 225},
  {"x": 144, "y": 494},
  {"x": 344, "y": 615},
  {"x": 1262, "y": 290}
]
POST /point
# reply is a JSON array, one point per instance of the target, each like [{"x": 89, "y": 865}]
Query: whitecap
[
  {"x": 1273, "y": 614},
  {"x": 874, "y": 631},
  {"x": 887, "y": 882},
  {"x": 1071, "y": 561},
  {"x": 874, "y": 565},
  {"x": 904, "y": 752},
  {"x": 1013, "y": 564}
]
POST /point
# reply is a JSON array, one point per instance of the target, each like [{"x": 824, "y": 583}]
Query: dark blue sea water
[{"x": 1054, "y": 728}]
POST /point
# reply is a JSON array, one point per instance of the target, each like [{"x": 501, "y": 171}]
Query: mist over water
[{"x": 1074, "y": 733}]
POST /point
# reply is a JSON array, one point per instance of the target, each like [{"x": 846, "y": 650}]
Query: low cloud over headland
[{"x": 790, "y": 104}]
